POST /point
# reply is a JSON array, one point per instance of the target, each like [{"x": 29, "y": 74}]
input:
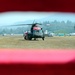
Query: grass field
[{"x": 67, "y": 42}]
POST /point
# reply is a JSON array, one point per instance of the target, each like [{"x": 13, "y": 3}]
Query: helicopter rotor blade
[
  {"x": 15, "y": 25},
  {"x": 19, "y": 25}
]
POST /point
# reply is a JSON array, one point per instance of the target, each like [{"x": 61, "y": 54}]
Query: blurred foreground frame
[
  {"x": 35, "y": 5},
  {"x": 39, "y": 6}
]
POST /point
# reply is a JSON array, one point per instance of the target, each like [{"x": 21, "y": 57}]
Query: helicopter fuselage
[{"x": 37, "y": 32}]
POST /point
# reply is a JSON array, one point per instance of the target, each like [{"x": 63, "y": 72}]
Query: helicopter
[{"x": 36, "y": 31}]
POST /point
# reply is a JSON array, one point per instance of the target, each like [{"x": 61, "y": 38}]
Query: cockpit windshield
[{"x": 36, "y": 28}]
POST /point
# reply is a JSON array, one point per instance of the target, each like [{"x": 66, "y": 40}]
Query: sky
[
  {"x": 10, "y": 18},
  {"x": 13, "y": 17}
]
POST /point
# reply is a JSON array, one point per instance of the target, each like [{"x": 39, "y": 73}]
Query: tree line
[{"x": 54, "y": 26}]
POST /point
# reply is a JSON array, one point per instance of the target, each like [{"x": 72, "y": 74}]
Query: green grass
[{"x": 67, "y": 42}]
